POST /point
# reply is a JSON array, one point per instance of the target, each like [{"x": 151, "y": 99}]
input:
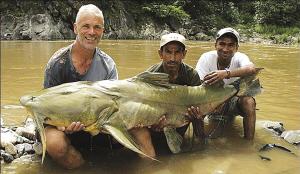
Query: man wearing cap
[
  {"x": 227, "y": 64},
  {"x": 172, "y": 51}
]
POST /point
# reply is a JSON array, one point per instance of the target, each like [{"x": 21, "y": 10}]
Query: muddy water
[{"x": 23, "y": 63}]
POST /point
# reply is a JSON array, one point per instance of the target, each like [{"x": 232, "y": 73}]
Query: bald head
[{"x": 89, "y": 9}]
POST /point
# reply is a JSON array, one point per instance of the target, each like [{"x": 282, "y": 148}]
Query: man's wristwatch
[{"x": 228, "y": 73}]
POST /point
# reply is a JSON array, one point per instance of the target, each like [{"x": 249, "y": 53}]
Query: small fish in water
[
  {"x": 117, "y": 106},
  {"x": 270, "y": 146},
  {"x": 264, "y": 158}
]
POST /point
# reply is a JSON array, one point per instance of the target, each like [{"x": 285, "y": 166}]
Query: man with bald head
[{"x": 80, "y": 61}]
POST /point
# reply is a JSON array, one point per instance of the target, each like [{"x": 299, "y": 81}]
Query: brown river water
[{"x": 22, "y": 68}]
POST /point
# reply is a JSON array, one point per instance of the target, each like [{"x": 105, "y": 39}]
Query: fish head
[{"x": 27, "y": 102}]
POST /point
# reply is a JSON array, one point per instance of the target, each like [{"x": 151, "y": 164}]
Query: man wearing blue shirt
[{"x": 81, "y": 60}]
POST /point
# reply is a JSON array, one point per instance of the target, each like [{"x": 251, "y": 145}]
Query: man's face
[
  {"x": 172, "y": 55},
  {"x": 89, "y": 30},
  {"x": 226, "y": 47}
]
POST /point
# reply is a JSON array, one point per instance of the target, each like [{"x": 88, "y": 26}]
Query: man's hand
[
  {"x": 155, "y": 127},
  {"x": 215, "y": 76},
  {"x": 194, "y": 113},
  {"x": 160, "y": 125},
  {"x": 73, "y": 127},
  {"x": 195, "y": 116}
]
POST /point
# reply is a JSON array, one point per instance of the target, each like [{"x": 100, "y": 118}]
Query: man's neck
[
  {"x": 223, "y": 63},
  {"x": 173, "y": 74},
  {"x": 81, "y": 54},
  {"x": 81, "y": 58}
]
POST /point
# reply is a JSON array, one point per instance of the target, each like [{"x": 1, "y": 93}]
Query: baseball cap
[
  {"x": 172, "y": 37},
  {"x": 226, "y": 31}
]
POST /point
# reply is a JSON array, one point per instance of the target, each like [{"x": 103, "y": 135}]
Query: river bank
[{"x": 53, "y": 20}]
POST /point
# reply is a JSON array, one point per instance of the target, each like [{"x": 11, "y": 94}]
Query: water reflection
[{"x": 22, "y": 66}]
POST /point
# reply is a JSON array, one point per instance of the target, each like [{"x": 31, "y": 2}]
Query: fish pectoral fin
[
  {"x": 174, "y": 139},
  {"x": 123, "y": 137},
  {"x": 92, "y": 129}
]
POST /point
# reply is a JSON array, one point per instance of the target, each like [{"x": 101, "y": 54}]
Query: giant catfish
[{"x": 116, "y": 106}]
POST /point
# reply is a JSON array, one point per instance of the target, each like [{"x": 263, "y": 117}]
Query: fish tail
[{"x": 249, "y": 85}]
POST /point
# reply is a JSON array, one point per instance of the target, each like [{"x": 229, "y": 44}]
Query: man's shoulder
[
  {"x": 155, "y": 67},
  {"x": 188, "y": 67},
  {"x": 190, "y": 74},
  {"x": 209, "y": 54},
  {"x": 240, "y": 55},
  {"x": 60, "y": 56},
  {"x": 104, "y": 57}
]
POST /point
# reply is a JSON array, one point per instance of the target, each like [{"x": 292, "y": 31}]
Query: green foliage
[
  {"x": 273, "y": 30},
  {"x": 279, "y": 34},
  {"x": 229, "y": 12},
  {"x": 167, "y": 11},
  {"x": 202, "y": 12},
  {"x": 278, "y": 12},
  {"x": 246, "y": 12}
]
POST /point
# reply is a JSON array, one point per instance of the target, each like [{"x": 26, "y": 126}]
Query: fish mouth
[{"x": 24, "y": 100}]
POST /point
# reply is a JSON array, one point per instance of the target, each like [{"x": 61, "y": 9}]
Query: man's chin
[
  {"x": 172, "y": 67},
  {"x": 89, "y": 46},
  {"x": 227, "y": 56}
]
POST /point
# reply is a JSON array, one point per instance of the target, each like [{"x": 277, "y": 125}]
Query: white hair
[{"x": 89, "y": 9}]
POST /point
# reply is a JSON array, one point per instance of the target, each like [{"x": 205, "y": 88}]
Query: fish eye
[{"x": 47, "y": 119}]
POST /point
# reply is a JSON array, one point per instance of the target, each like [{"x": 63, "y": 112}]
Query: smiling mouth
[
  {"x": 172, "y": 63},
  {"x": 91, "y": 38}
]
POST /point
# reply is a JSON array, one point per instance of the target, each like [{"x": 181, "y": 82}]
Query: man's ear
[
  {"x": 184, "y": 53},
  {"x": 160, "y": 53},
  {"x": 75, "y": 28}
]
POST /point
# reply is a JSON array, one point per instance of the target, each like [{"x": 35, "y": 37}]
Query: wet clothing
[
  {"x": 227, "y": 111},
  {"x": 60, "y": 68},
  {"x": 186, "y": 76},
  {"x": 84, "y": 142},
  {"x": 208, "y": 62}
]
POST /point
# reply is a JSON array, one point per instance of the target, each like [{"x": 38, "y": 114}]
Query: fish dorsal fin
[
  {"x": 154, "y": 78},
  {"x": 123, "y": 137}
]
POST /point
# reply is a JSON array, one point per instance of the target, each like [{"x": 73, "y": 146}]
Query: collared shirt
[
  {"x": 186, "y": 76},
  {"x": 60, "y": 68}
]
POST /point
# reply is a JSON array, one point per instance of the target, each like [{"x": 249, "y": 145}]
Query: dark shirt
[
  {"x": 186, "y": 76},
  {"x": 60, "y": 68}
]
